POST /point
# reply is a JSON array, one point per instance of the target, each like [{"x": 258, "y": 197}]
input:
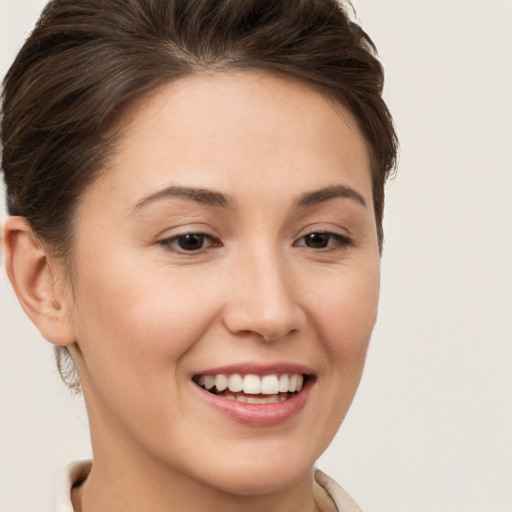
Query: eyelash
[
  {"x": 334, "y": 242},
  {"x": 340, "y": 241},
  {"x": 172, "y": 242}
]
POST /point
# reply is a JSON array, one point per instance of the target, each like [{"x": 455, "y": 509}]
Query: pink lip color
[
  {"x": 258, "y": 369},
  {"x": 258, "y": 415}
]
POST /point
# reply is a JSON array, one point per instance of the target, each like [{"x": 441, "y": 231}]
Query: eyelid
[
  {"x": 183, "y": 229},
  {"x": 325, "y": 226}
]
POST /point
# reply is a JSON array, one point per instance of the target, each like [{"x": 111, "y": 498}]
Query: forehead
[{"x": 222, "y": 129}]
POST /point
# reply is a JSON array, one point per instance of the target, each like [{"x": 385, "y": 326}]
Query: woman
[{"x": 195, "y": 193}]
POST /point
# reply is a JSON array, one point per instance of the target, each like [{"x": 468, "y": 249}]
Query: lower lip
[{"x": 258, "y": 415}]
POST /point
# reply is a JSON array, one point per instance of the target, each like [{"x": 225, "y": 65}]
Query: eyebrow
[
  {"x": 220, "y": 200},
  {"x": 199, "y": 195},
  {"x": 331, "y": 192}
]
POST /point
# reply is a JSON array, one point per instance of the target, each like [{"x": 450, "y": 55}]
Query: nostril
[{"x": 270, "y": 337}]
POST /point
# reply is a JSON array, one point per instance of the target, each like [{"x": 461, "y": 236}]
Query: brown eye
[
  {"x": 190, "y": 242},
  {"x": 324, "y": 240},
  {"x": 317, "y": 240}
]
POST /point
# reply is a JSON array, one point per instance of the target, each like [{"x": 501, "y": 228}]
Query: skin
[{"x": 143, "y": 315}]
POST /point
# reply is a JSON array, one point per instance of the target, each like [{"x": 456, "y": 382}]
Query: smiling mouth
[{"x": 251, "y": 388}]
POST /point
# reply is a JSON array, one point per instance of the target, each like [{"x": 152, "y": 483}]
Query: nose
[{"x": 263, "y": 298}]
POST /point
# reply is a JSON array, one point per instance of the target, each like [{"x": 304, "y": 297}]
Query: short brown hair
[{"x": 87, "y": 60}]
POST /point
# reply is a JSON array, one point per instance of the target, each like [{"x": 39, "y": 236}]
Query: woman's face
[{"x": 232, "y": 234}]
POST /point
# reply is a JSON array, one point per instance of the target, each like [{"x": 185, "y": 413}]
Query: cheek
[
  {"x": 342, "y": 312},
  {"x": 134, "y": 334},
  {"x": 141, "y": 320},
  {"x": 347, "y": 312}
]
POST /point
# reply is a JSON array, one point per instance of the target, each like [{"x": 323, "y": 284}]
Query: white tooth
[
  {"x": 241, "y": 398},
  {"x": 273, "y": 399},
  {"x": 253, "y": 400},
  {"x": 252, "y": 385},
  {"x": 270, "y": 385},
  {"x": 292, "y": 386},
  {"x": 209, "y": 381},
  {"x": 283, "y": 383},
  {"x": 300, "y": 381},
  {"x": 200, "y": 381},
  {"x": 235, "y": 383},
  {"x": 221, "y": 382},
  {"x": 282, "y": 398}
]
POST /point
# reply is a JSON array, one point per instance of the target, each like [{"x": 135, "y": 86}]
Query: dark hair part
[{"x": 87, "y": 60}]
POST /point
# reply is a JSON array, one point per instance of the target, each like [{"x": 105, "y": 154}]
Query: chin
[
  {"x": 258, "y": 479},
  {"x": 259, "y": 470}
]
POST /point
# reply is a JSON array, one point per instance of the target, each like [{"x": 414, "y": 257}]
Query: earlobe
[{"x": 35, "y": 283}]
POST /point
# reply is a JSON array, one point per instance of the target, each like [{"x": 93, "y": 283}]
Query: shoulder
[
  {"x": 70, "y": 476},
  {"x": 340, "y": 497}
]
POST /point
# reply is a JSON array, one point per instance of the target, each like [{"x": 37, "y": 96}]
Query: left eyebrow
[{"x": 332, "y": 192}]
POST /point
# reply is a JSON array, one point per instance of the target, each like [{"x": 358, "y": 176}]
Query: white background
[{"x": 431, "y": 427}]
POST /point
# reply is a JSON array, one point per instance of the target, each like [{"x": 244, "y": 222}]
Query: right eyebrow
[{"x": 199, "y": 195}]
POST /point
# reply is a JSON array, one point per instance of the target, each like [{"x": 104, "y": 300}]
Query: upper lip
[{"x": 256, "y": 368}]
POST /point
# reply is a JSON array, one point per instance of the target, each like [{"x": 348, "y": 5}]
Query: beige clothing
[{"x": 329, "y": 495}]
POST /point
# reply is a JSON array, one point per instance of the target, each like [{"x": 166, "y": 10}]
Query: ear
[{"x": 35, "y": 280}]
